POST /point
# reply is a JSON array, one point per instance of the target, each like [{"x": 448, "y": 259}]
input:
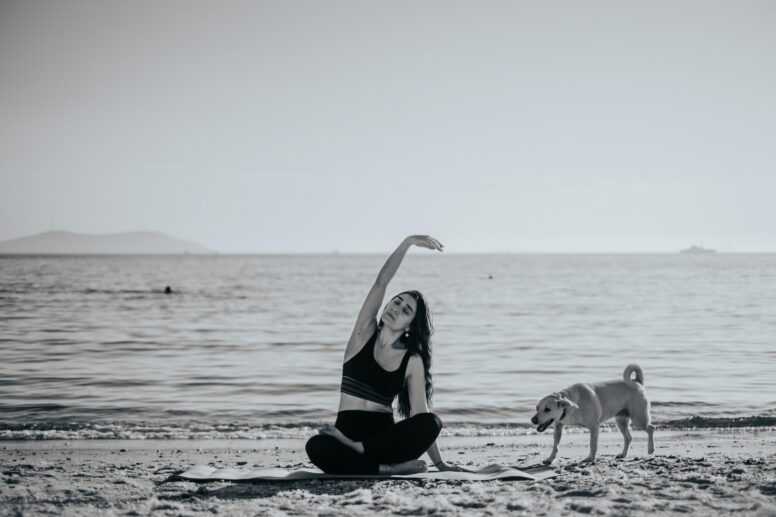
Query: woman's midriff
[{"x": 350, "y": 403}]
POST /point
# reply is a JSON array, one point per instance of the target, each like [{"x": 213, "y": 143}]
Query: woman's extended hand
[
  {"x": 425, "y": 241},
  {"x": 452, "y": 468}
]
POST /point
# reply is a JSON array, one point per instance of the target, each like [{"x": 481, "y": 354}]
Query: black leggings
[{"x": 385, "y": 442}]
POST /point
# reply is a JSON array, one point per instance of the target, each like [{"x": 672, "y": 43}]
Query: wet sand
[{"x": 708, "y": 472}]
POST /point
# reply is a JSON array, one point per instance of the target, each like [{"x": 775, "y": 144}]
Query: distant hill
[{"x": 67, "y": 243}]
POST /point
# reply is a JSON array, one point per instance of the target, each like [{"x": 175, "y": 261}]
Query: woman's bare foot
[
  {"x": 332, "y": 431},
  {"x": 407, "y": 467}
]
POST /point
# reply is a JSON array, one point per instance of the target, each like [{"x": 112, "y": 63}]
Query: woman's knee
[
  {"x": 437, "y": 421},
  {"x": 316, "y": 451},
  {"x": 431, "y": 421}
]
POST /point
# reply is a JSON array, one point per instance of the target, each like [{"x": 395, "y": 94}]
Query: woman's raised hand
[{"x": 425, "y": 241}]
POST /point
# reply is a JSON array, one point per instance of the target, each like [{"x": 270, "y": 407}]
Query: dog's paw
[
  {"x": 588, "y": 460},
  {"x": 621, "y": 455}
]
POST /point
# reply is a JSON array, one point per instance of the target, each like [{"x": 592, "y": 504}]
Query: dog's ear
[{"x": 565, "y": 403}]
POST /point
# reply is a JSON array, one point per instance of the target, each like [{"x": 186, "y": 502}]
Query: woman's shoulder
[
  {"x": 361, "y": 335},
  {"x": 359, "y": 339}
]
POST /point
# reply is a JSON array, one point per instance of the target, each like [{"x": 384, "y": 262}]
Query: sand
[{"x": 709, "y": 472}]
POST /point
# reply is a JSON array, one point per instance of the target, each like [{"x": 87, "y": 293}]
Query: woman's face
[{"x": 399, "y": 312}]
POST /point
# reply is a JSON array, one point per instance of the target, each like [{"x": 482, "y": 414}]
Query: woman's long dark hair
[{"x": 418, "y": 342}]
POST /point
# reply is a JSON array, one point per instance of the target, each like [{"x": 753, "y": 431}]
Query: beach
[
  {"x": 109, "y": 386},
  {"x": 700, "y": 472}
]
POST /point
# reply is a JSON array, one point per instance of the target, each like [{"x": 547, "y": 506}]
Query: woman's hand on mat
[
  {"x": 452, "y": 468},
  {"x": 425, "y": 241}
]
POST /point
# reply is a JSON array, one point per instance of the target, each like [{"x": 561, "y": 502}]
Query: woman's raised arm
[{"x": 365, "y": 322}]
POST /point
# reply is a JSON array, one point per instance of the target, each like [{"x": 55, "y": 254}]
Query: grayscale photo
[{"x": 355, "y": 258}]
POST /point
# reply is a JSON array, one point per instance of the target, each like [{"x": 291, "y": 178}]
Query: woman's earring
[{"x": 406, "y": 333}]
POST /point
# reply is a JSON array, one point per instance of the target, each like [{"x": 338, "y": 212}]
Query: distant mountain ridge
[{"x": 70, "y": 243}]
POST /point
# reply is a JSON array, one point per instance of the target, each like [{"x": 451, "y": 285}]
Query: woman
[{"x": 382, "y": 360}]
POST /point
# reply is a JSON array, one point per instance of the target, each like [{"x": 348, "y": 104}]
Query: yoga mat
[{"x": 489, "y": 473}]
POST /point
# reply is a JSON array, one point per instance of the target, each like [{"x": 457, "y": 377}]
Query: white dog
[{"x": 589, "y": 405}]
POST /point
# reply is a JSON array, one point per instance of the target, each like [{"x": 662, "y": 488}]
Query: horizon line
[{"x": 381, "y": 253}]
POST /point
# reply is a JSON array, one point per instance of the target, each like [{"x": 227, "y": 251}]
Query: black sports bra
[{"x": 362, "y": 377}]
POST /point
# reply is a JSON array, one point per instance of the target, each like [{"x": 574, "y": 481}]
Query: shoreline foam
[{"x": 111, "y": 430}]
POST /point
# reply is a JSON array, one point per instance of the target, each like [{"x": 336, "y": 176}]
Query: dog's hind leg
[
  {"x": 650, "y": 441},
  {"x": 622, "y": 424},
  {"x": 641, "y": 420}
]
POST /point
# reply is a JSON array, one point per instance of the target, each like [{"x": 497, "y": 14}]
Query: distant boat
[{"x": 698, "y": 249}]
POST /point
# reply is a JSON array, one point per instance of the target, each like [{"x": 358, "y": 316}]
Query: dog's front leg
[
  {"x": 593, "y": 444},
  {"x": 556, "y": 440}
]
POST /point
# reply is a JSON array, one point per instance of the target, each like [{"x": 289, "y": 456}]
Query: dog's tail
[{"x": 626, "y": 375}]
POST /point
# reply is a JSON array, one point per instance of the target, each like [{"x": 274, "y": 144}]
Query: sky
[{"x": 309, "y": 126}]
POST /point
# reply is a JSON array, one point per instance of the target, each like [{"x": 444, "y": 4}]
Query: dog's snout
[{"x": 534, "y": 420}]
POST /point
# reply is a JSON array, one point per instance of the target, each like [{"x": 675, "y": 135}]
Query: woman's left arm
[{"x": 416, "y": 384}]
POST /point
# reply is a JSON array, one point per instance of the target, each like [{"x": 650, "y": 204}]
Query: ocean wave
[
  {"x": 152, "y": 431},
  {"x": 704, "y": 422}
]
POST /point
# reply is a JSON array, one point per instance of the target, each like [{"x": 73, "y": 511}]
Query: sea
[{"x": 251, "y": 346}]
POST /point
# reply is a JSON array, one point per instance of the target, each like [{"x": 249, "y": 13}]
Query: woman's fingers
[
  {"x": 427, "y": 241},
  {"x": 456, "y": 468}
]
